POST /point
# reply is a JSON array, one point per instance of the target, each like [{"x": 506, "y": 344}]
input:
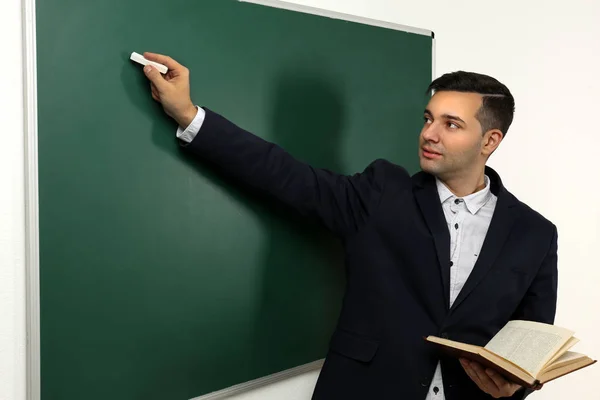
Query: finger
[
  {"x": 155, "y": 77},
  {"x": 486, "y": 381},
  {"x": 167, "y": 61},
  {"x": 473, "y": 376},
  {"x": 465, "y": 364},
  {"x": 497, "y": 378},
  {"x": 471, "y": 373},
  {"x": 154, "y": 89},
  {"x": 476, "y": 379},
  {"x": 171, "y": 75}
]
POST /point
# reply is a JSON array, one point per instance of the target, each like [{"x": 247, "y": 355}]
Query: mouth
[{"x": 430, "y": 154}]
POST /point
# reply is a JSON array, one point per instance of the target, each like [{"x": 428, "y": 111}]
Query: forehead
[{"x": 464, "y": 105}]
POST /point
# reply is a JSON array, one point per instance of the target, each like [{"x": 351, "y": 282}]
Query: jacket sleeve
[
  {"x": 343, "y": 203},
  {"x": 539, "y": 304}
]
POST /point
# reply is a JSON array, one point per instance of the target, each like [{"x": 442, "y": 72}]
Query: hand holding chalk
[
  {"x": 140, "y": 59},
  {"x": 171, "y": 90}
]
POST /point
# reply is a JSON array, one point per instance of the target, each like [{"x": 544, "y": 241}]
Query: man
[{"x": 447, "y": 252}]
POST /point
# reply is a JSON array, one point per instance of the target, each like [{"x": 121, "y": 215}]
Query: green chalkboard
[{"x": 160, "y": 278}]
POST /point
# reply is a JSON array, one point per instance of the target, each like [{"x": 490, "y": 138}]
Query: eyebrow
[{"x": 448, "y": 116}]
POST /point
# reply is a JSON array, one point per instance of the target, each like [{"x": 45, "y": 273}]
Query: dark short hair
[{"x": 498, "y": 106}]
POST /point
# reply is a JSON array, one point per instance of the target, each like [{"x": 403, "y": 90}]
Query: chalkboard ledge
[{"x": 264, "y": 381}]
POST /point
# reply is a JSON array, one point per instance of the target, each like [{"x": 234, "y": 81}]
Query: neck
[{"x": 463, "y": 186}]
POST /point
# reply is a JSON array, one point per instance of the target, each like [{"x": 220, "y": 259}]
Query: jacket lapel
[
  {"x": 503, "y": 219},
  {"x": 429, "y": 202}
]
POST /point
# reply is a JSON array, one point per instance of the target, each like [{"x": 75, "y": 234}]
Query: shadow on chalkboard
[{"x": 307, "y": 119}]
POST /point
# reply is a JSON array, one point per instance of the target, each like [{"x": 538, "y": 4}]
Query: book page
[
  {"x": 528, "y": 344},
  {"x": 485, "y": 358},
  {"x": 516, "y": 374},
  {"x": 570, "y": 343},
  {"x": 567, "y": 358},
  {"x": 554, "y": 373}
]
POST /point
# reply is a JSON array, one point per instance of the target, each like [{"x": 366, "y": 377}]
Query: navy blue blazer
[{"x": 397, "y": 249}]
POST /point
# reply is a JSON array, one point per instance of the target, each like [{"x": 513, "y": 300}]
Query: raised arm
[{"x": 343, "y": 203}]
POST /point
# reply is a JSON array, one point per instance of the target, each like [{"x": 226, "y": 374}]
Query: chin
[
  {"x": 427, "y": 166},
  {"x": 433, "y": 169}
]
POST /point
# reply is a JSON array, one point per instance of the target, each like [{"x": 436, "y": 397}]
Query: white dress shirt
[
  {"x": 192, "y": 130},
  {"x": 468, "y": 220}
]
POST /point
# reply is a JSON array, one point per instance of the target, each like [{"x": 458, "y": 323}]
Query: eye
[
  {"x": 427, "y": 120},
  {"x": 453, "y": 126}
]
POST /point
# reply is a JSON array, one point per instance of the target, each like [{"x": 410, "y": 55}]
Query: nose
[{"x": 430, "y": 133}]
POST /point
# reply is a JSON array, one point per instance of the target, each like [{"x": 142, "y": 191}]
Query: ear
[{"x": 491, "y": 141}]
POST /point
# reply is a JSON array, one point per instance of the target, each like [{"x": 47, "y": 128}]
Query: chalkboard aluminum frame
[{"x": 33, "y": 375}]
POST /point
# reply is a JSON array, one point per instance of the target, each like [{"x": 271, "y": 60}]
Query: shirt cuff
[{"x": 192, "y": 130}]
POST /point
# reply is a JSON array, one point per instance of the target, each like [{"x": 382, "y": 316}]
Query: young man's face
[{"x": 451, "y": 141}]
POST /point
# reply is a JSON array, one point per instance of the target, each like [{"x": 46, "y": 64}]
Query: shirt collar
[{"x": 474, "y": 201}]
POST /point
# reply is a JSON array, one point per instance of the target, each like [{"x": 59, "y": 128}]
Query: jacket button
[{"x": 445, "y": 335}]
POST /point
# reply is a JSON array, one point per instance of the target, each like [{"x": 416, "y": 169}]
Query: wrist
[{"x": 185, "y": 118}]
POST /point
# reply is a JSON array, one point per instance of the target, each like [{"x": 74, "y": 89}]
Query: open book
[{"x": 524, "y": 352}]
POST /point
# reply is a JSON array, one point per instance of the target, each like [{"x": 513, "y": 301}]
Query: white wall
[
  {"x": 547, "y": 52},
  {"x": 12, "y": 274}
]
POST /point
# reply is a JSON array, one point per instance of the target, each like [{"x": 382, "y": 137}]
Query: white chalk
[{"x": 138, "y": 58}]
